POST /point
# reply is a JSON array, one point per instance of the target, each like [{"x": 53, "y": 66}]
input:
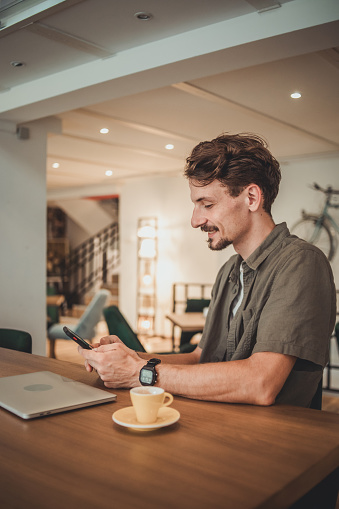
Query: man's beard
[{"x": 221, "y": 244}]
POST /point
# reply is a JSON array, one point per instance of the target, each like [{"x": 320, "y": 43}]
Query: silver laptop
[{"x": 44, "y": 393}]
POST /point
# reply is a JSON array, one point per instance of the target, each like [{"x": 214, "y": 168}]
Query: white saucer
[{"x": 126, "y": 417}]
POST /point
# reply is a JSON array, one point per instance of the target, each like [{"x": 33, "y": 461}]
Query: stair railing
[{"x": 91, "y": 264}]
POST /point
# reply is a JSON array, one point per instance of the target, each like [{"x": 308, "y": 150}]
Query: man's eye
[{"x": 208, "y": 206}]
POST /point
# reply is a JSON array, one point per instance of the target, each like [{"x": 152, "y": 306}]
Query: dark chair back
[
  {"x": 119, "y": 326},
  {"x": 52, "y": 310},
  {"x": 196, "y": 305},
  {"x": 16, "y": 340},
  {"x": 336, "y": 332},
  {"x": 192, "y": 306}
]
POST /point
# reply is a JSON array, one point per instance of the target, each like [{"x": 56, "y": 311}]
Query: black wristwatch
[{"x": 148, "y": 375}]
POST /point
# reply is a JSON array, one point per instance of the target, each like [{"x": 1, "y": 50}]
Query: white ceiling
[{"x": 197, "y": 69}]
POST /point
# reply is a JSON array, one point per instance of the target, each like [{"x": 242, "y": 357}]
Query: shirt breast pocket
[{"x": 247, "y": 334}]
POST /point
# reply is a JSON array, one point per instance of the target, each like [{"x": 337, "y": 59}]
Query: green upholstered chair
[
  {"x": 192, "y": 306},
  {"x": 52, "y": 309},
  {"x": 16, "y": 340},
  {"x": 196, "y": 305},
  {"x": 118, "y": 326}
]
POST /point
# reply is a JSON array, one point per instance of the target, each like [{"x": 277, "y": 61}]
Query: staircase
[{"x": 92, "y": 265}]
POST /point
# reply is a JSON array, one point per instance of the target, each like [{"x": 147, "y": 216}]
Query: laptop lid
[{"x": 44, "y": 393}]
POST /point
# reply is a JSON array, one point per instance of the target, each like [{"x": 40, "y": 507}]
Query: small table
[
  {"x": 188, "y": 322},
  {"x": 55, "y": 300}
]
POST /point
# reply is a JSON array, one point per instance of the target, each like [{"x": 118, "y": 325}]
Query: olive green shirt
[{"x": 288, "y": 307}]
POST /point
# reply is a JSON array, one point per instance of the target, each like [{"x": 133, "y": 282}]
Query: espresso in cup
[{"x": 147, "y": 401}]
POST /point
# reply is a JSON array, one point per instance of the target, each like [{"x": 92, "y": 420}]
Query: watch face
[{"x": 146, "y": 376}]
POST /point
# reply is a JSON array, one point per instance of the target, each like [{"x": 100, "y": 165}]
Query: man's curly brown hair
[{"x": 236, "y": 160}]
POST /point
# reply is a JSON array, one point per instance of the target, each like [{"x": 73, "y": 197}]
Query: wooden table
[
  {"x": 55, "y": 300},
  {"x": 217, "y": 456},
  {"x": 187, "y": 322}
]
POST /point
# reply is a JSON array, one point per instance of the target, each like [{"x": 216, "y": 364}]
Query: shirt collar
[
  {"x": 274, "y": 239},
  {"x": 279, "y": 232}
]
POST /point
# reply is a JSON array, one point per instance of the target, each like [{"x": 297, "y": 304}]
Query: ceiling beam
[
  {"x": 264, "y": 5},
  {"x": 298, "y": 27},
  {"x": 87, "y": 162},
  {"x": 223, "y": 101},
  {"x": 331, "y": 55},
  {"x": 139, "y": 151},
  {"x": 18, "y": 16},
  {"x": 72, "y": 41},
  {"x": 137, "y": 126}
]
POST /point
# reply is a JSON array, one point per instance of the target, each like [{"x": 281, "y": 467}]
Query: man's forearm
[
  {"x": 256, "y": 380},
  {"x": 175, "y": 358}
]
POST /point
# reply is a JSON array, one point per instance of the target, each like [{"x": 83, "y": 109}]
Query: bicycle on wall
[{"x": 320, "y": 230}]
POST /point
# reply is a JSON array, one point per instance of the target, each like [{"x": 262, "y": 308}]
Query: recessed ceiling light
[
  {"x": 104, "y": 130},
  {"x": 143, "y": 16},
  {"x": 169, "y": 146},
  {"x": 15, "y": 63},
  {"x": 108, "y": 173},
  {"x": 296, "y": 95},
  {"x": 55, "y": 165}
]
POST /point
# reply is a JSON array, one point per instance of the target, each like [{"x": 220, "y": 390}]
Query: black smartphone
[{"x": 77, "y": 339}]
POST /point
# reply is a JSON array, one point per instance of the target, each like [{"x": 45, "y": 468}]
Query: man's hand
[{"x": 117, "y": 365}]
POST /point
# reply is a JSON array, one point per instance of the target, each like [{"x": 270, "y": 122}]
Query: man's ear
[{"x": 254, "y": 197}]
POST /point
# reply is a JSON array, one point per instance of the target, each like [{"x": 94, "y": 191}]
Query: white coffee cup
[{"x": 147, "y": 401}]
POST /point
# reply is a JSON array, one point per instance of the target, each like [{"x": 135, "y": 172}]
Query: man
[{"x": 273, "y": 304}]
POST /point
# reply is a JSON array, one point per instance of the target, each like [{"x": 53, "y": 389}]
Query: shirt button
[{"x": 235, "y": 290}]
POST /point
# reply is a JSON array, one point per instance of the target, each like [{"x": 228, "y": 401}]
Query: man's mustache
[{"x": 209, "y": 228}]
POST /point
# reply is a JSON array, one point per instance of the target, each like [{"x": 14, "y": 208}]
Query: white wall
[
  {"x": 296, "y": 194},
  {"x": 183, "y": 253},
  {"x": 23, "y": 233}
]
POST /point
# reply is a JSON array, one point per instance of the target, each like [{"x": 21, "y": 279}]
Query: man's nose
[{"x": 197, "y": 219}]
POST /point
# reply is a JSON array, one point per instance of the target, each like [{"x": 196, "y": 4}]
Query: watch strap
[
  {"x": 153, "y": 362},
  {"x": 150, "y": 366}
]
